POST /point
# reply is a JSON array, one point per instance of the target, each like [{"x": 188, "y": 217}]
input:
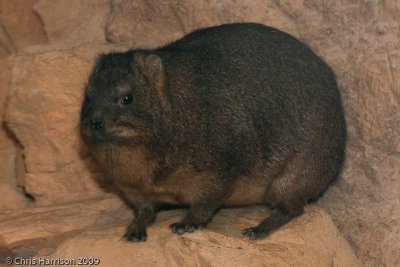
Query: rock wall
[
  {"x": 43, "y": 111},
  {"x": 19, "y": 26},
  {"x": 41, "y": 89}
]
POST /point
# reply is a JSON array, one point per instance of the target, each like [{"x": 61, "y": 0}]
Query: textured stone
[
  {"x": 39, "y": 230},
  {"x": 46, "y": 125},
  {"x": 152, "y": 23},
  {"x": 311, "y": 240},
  {"x": 93, "y": 228},
  {"x": 8, "y": 153},
  {"x": 363, "y": 47},
  {"x": 5, "y": 78},
  {"x": 5, "y": 46},
  {"x": 11, "y": 196},
  {"x": 359, "y": 39},
  {"x": 72, "y": 22},
  {"x": 57, "y": 167},
  {"x": 21, "y": 25}
]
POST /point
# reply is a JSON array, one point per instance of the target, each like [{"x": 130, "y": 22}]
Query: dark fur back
[
  {"x": 239, "y": 89},
  {"x": 233, "y": 114}
]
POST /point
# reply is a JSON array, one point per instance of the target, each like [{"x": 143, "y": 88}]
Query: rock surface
[
  {"x": 70, "y": 23},
  {"x": 19, "y": 26},
  {"x": 39, "y": 230},
  {"x": 57, "y": 168},
  {"x": 49, "y": 81},
  {"x": 360, "y": 40},
  {"x": 296, "y": 245},
  {"x": 11, "y": 195},
  {"x": 93, "y": 228}
]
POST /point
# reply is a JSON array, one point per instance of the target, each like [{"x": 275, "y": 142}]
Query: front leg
[
  {"x": 198, "y": 216},
  {"x": 144, "y": 215}
]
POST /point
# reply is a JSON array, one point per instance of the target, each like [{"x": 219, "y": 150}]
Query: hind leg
[
  {"x": 279, "y": 216},
  {"x": 305, "y": 176}
]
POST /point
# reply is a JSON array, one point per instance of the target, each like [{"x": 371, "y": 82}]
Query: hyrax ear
[{"x": 152, "y": 68}]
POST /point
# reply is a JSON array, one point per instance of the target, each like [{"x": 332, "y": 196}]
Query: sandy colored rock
[
  {"x": 70, "y": 23},
  {"x": 5, "y": 78},
  {"x": 358, "y": 39},
  {"x": 41, "y": 222},
  {"x": 8, "y": 153},
  {"x": 93, "y": 228},
  {"x": 56, "y": 163},
  {"x": 46, "y": 125},
  {"x": 6, "y": 47},
  {"x": 39, "y": 230},
  {"x": 311, "y": 240},
  {"x": 363, "y": 47},
  {"x": 12, "y": 197},
  {"x": 21, "y": 25},
  {"x": 153, "y": 23}
]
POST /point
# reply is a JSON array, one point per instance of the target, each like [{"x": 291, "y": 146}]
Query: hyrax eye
[{"x": 127, "y": 99}]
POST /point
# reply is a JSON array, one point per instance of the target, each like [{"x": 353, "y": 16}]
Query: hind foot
[
  {"x": 278, "y": 218},
  {"x": 255, "y": 232}
]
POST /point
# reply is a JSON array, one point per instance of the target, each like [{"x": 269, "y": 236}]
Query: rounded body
[{"x": 230, "y": 115}]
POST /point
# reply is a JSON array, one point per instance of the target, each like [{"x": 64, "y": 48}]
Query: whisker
[
  {"x": 133, "y": 125},
  {"x": 76, "y": 134}
]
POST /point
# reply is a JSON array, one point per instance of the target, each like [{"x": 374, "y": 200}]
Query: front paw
[
  {"x": 254, "y": 233},
  {"x": 180, "y": 228},
  {"x": 135, "y": 234}
]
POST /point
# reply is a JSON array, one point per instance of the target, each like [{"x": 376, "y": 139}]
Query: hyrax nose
[{"x": 96, "y": 124}]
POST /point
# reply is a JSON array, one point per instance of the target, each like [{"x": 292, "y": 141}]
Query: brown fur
[{"x": 231, "y": 115}]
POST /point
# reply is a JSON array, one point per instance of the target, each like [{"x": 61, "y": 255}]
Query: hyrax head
[{"x": 123, "y": 97}]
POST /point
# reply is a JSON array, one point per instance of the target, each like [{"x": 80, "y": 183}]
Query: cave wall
[{"x": 43, "y": 71}]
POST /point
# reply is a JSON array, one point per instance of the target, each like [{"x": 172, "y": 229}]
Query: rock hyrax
[{"x": 230, "y": 115}]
